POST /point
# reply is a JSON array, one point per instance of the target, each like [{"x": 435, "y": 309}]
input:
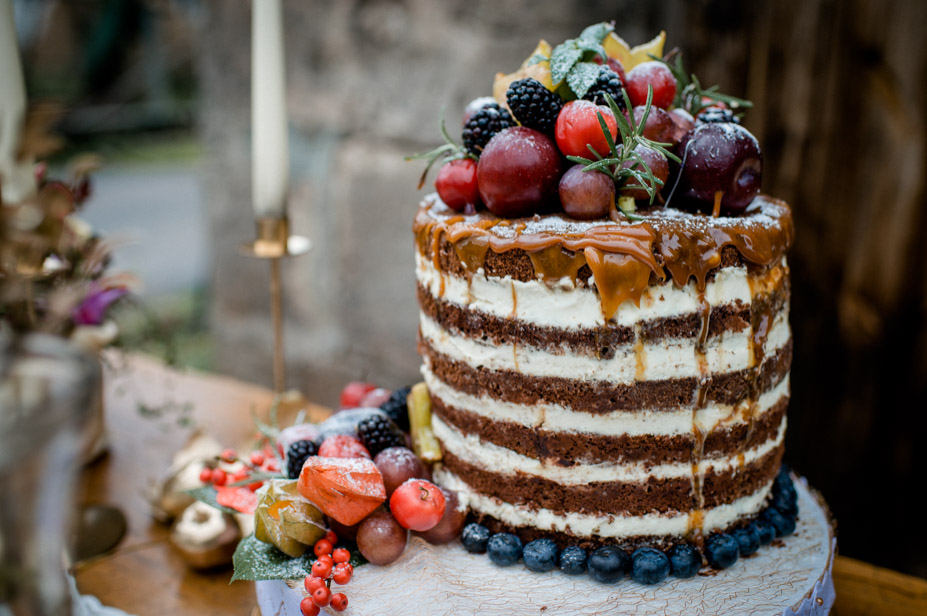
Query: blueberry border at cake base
[{"x": 788, "y": 578}]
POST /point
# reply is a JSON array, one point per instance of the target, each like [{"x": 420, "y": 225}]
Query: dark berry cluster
[
  {"x": 482, "y": 125},
  {"x": 296, "y": 456},
  {"x": 396, "y": 407},
  {"x": 609, "y": 83},
  {"x": 645, "y": 565},
  {"x": 533, "y": 105},
  {"x": 378, "y": 432},
  {"x": 714, "y": 115}
]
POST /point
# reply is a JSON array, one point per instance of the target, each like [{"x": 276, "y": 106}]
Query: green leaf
[
  {"x": 255, "y": 560},
  {"x": 596, "y": 33},
  {"x": 591, "y": 50},
  {"x": 207, "y": 494},
  {"x": 582, "y": 76},
  {"x": 562, "y": 60},
  {"x": 536, "y": 59}
]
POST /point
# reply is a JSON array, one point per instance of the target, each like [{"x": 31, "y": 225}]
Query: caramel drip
[
  {"x": 639, "y": 356},
  {"x": 716, "y": 210},
  {"x": 472, "y": 253},
  {"x": 553, "y": 263},
  {"x": 618, "y": 278},
  {"x": 697, "y": 517}
]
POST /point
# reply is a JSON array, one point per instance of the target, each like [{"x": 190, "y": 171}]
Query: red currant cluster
[
  {"x": 331, "y": 565},
  {"x": 231, "y": 470}
]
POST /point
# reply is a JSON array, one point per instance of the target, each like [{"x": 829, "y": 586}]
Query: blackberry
[
  {"x": 504, "y": 549},
  {"x": 296, "y": 455},
  {"x": 378, "y": 432},
  {"x": 475, "y": 537},
  {"x": 533, "y": 105},
  {"x": 722, "y": 551},
  {"x": 649, "y": 566},
  {"x": 608, "y": 82},
  {"x": 608, "y": 564},
  {"x": 485, "y": 123},
  {"x": 573, "y": 560},
  {"x": 540, "y": 555},
  {"x": 396, "y": 407},
  {"x": 685, "y": 560},
  {"x": 714, "y": 115}
]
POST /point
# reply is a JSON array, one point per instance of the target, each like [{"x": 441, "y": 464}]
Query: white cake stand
[{"x": 790, "y": 577}]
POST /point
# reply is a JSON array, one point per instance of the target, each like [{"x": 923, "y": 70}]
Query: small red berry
[
  {"x": 312, "y": 582},
  {"x": 343, "y": 446},
  {"x": 229, "y": 455},
  {"x": 456, "y": 184},
  {"x": 321, "y": 568},
  {"x": 239, "y": 476},
  {"x": 339, "y": 602},
  {"x": 219, "y": 477},
  {"x": 321, "y": 596},
  {"x": 354, "y": 392},
  {"x": 343, "y": 573},
  {"x": 308, "y": 607},
  {"x": 322, "y": 546},
  {"x": 341, "y": 555},
  {"x": 257, "y": 458},
  {"x": 254, "y": 486},
  {"x": 271, "y": 465},
  {"x": 206, "y": 475},
  {"x": 654, "y": 74},
  {"x": 331, "y": 537},
  {"x": 578, "y": 127}
]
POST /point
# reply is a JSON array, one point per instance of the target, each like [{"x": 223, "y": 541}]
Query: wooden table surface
[{"x": 144, "y": 576}]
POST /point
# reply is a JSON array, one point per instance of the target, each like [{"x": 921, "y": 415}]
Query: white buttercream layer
[
  {"x": 616, "y": 527},
  {"x": 557, "y": 418}
]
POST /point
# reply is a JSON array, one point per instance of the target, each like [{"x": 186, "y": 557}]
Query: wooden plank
[{"x": 867, "y": 590}]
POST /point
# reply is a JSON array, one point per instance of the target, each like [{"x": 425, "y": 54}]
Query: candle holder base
[{"x": 273, "y": 241}]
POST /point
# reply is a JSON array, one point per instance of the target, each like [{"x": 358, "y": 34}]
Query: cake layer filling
[
  {"x": 599, "y": 397},
  {"x": 616, "y": 525},
  {"x": 565, "y": 305},
  {"x": 473, "y": 450},
  {"x": 670, "y": 358}
]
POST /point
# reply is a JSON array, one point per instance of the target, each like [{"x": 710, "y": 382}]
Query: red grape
[
  {"x": 586, "y": 194},
  {"x": 720, "y": 157},
  {"x": 656, "y": 74},
  {"x": 457, "y": 187},
  {"x": 658, "y": 166},
  {"x": 451, "y": 523},
  {"x": 659, "y": 127},
  {"x": 417, "y": 504},
  {"x": 518, "y": 172},
  {"x": 578, "y": 127},
  {"x": 398, "y": 465},
  {"x": 380, "y": 538},
  {"x": 683, "y": 122}
]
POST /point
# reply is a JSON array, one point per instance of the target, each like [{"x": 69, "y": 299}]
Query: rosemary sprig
[
  {"x": 451, "y": 150},
  {"x": 689, "y": 90},
  {"x": 632, "y": 136}
]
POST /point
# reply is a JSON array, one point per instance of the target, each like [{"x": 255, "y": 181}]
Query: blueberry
[
  {"x": 475, "y": 537},
  {"x": 747, "y": 540},
  {"x": 788, "y": 507},
  {"x": 540, "y": 555},
  {"x": 608, "y": 564},
  {"x": 685, "y": 560},
  {"x": 504, "y": 549},
  {"x": 764, "y": 530},
  {"x": 784, "y": 525},
  {"x": 782, "y": 485},
  {"x": 573, "y": 560},
  {"x": 722, "y": 551},
  {"x": 649, "y": 566}
]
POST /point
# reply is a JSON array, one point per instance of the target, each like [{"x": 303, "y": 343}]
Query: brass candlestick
[{"x": 273, "y": 243}]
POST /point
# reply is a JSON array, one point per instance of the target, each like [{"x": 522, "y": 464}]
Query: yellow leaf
[
  {"x": 617, "y": 48},
  {"x": 538, "y": 70}
]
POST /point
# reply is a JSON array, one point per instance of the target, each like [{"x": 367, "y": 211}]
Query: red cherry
[
  {"x": 308, "y": 607},
  {"x": 417, "y": 504},
  {"x": 518, "y": 172},
  {"x": 312, "y": 582},
  {"x": 206, "y": 475},
  {"x": 321, "y": 569},
  {"x": 343, "y": 573},
  {"x": 343, "y": 446},
  {"x": 354, "y": 392},
  {"x": 654, "y": 74},
  {"x": 578, "y": 127},
  {"x": 321, "y": 596},
  {"x": 339, "y": 602},
  {"x": 341, "y": 555},
  {"x": 322, "y": 547},
  {"x": 456, "y": 184},
  {"x": 219, "y": 477},
  {"x": 257, "y": 458},
  {"x": 228, "y": 455}
]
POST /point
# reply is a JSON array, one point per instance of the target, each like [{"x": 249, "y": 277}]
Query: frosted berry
[
  {"x": 721, "y": 550},
  {"x": 540, "y": 555},
  {"x": 685, "y": 560},
  {"x": 456, "y": 184},
  {"x": 219, "y": 477},
  {"x": 713, "y": 115},
  {"x": 312, "y": 582},
  {"x": 533, "y": 105},
  {"x": 483, "y": 125},
  {"x": 504, "y": 549},
  {"x": 378, "y": 432},
  {"x": 322, "y": 546},
  {"x": 417, "y": 504},
  {"x": 296, "y": 456},
  {"x": 608, "y": 82},
  {"x": 518, "y": 172},
  {"x": 321, "y": 568},
  {"x": 573, "y": 560},
  {"x": 475, "y": 105},
  {"x": 656, "y": 75},
  {"x": 475, "y": 538},
  {"x": 784, "y": 524},
  {"x": 649, "y": 566},
  {"x": 206, "y": 475},
  {"x": 342, "y": 446},
  {"x": 720, "y": 158},
  {"x": 578, "y": 128},
  {"x": 341, "y": 555},
  {"x": 342, "y": 573},
  {"x": 608, "y": 564},
  {"x": 354, "y": 392}
]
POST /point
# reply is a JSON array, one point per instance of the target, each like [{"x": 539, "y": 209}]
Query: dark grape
[
  {"x": 659, "y": 126},
  {"x": 518, "y": 172},
  {"x": 720, "y": 158},
  {"x": 586, "y": 195},
  {"x": 451, "y": 523},
  {"x": 397, "y": 465},
  {"x": 658, "y": 166},
  {"x": 380, "y": 538}
]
